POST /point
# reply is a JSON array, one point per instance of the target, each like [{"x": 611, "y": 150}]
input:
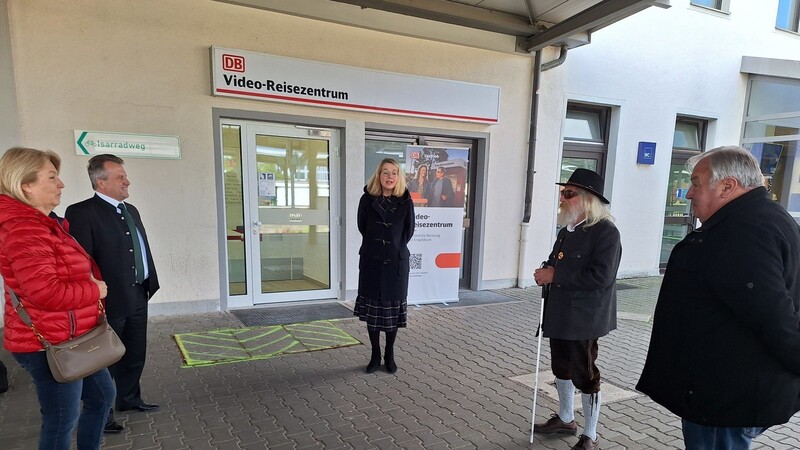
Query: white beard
[{"x": 568, "y": 216}]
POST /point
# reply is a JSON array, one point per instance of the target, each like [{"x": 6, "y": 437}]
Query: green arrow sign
[{"x": 127, "y": 144}]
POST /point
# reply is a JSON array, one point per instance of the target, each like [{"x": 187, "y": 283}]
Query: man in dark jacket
[
  {"x": 112, "y": 232},
  {"x": 582, "y": 302},
  {"x": 725, "y": 350},
  {"x": 441, "y": 190}
]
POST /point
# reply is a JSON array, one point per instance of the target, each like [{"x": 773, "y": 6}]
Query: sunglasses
[{"x": 569, "y": 194}]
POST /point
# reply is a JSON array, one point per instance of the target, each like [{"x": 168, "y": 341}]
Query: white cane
[{"x": 538, "y": 353}]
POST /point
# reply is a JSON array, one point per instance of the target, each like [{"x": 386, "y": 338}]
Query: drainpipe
[
  {"x": 538, "y": 68},
  {"x": 526, "y": 219},
  {"x": 562, "y": 56}
]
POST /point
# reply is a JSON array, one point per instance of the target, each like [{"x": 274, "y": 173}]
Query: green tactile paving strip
[{"x": 246, "y": 344}]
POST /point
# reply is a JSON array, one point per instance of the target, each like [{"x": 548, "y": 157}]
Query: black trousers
[
  {"x": 574, "y": 360},
  {"x": 132, "y": 331}
]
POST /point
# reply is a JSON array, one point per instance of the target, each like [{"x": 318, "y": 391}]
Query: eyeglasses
[
  {"x": 386, "y": 173},
  {"x": 569, "y": 194}
]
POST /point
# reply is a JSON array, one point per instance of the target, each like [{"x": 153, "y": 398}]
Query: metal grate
[{"x": 281, "y": 315}]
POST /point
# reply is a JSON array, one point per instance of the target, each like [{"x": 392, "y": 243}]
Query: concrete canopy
[{"x": 530, "y": 24}]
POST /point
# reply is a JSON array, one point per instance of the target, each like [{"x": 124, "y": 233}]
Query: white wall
[
  {"x": 144, "y": 67},
  {"x": 650, "y": 67}
]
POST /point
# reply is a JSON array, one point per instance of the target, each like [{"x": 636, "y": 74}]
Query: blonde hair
[
  {"x": 594, "y": 209},
  {"x": 20, "y": 165},
  {"x": 374, "y": 184}
]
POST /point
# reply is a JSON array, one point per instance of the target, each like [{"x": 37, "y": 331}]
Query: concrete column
[{"x": 9, "y": 117}]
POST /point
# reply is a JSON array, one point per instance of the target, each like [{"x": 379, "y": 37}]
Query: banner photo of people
[{"x": 436, "y": 179}]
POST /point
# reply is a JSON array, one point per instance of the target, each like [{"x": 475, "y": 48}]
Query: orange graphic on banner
[{"x": 448, "y": 260}]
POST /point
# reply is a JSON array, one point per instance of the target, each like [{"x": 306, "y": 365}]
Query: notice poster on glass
[{"x": 436, "y": 179}]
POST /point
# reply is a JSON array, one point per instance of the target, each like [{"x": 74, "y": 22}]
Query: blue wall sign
[{"x": 647, "y": 153}]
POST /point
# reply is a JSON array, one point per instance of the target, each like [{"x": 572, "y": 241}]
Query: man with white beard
[{"x": 581, "y": 305}]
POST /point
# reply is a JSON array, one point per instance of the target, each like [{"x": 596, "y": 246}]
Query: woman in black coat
[{"x": 386, "y": 224}]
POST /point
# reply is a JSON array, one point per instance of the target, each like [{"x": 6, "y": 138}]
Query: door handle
[{"x": 256, "y": 227}]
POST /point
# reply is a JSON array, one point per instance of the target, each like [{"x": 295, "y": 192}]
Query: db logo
[
  {"x": 233, "y": 63},
  {"x": 414, "y": 155}
]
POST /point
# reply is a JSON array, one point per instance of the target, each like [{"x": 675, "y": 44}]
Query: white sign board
[
  {"x": 259, "y": 76},
  {"x": 437, "y": 178},
  {"x": 435, "y": 256},
  {"x": 127, "y": 145}
]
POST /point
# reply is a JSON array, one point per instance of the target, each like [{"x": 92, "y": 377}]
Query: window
[
  {"x": 788, "y": 15},
  {"x": 689, "y": 134},
  {"x": 718, "y": 5},
  {"x": 585, "y": 139},
  {"x": 772, "y": 134},
  {"x": 689, "y": 139},
  {"x": 583, "y": 126}
]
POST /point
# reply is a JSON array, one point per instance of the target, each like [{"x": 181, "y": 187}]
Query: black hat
[{"x": 589, "y": 180}]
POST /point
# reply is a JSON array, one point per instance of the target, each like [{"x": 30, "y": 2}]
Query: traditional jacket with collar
[
  {"x": 725, "y": 348},
  {"x": 49, "y": 272},
  {"x": 102, "y": 231},
  {"x": 582, "y": 303},
  {"x": 383, "y": 257}
]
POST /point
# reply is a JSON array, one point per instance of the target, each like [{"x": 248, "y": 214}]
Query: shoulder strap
[
  {"x": 18, "y": 307},
  {"x": 24, "y": 316}
]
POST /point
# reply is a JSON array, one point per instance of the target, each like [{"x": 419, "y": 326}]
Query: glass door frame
[
  {"x": 471, "y": 222},
  {"x": 688, "y": 220},
  {"x": 249, "y": 130}
]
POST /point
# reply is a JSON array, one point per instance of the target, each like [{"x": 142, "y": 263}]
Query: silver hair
[
  {"x": 730, "y": 161},
  {"x": 594, "y": 210}
]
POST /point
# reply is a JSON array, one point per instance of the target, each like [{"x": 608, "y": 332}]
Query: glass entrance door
[{"x": 290, "y": 232}]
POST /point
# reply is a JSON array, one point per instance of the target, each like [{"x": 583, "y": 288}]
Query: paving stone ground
[{"x": 453, "y": 390}]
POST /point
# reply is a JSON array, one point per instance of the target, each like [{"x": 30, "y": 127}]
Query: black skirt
[{"x": 380, "y": 314}]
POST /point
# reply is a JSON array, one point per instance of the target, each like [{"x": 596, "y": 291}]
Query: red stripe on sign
[
  {"x": 355, "y": 106},
  {"x": 448, "y": 260}
]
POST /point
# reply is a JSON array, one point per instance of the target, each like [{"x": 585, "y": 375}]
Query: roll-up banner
[{"x": 436, "y": 178}]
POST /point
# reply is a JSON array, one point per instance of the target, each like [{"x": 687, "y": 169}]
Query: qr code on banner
[{"x": 415, "y": 261}]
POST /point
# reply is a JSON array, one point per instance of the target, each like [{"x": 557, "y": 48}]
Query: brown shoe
[
  {"x": 556, "y": 425},
  {"x": 584, "y": 443}
]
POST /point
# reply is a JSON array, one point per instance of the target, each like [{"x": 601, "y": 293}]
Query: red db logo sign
[{"x": 233, "y": 63}]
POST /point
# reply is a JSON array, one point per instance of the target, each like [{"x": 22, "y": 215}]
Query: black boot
[
  {"x": 375, "y": 360},
  {"x": 388, "y": 356},
  {"x": 391, "y": 367}
]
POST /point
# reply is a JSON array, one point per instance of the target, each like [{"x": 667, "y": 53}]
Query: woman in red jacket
[{"x": 52, "y": 276}]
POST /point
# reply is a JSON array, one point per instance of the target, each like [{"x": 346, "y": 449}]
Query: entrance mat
[
  {"x": 276, "y": 315},
  {"x": 247, "y": 344}
]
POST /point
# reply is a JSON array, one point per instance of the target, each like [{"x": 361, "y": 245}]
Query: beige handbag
[{"x": 82, "y": 356}]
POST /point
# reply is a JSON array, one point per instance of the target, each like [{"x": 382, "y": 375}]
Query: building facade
[{"x": 257, "y": 202}]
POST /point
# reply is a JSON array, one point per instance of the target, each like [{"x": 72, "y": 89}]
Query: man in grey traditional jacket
[{"x": 582, "y": 302}]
